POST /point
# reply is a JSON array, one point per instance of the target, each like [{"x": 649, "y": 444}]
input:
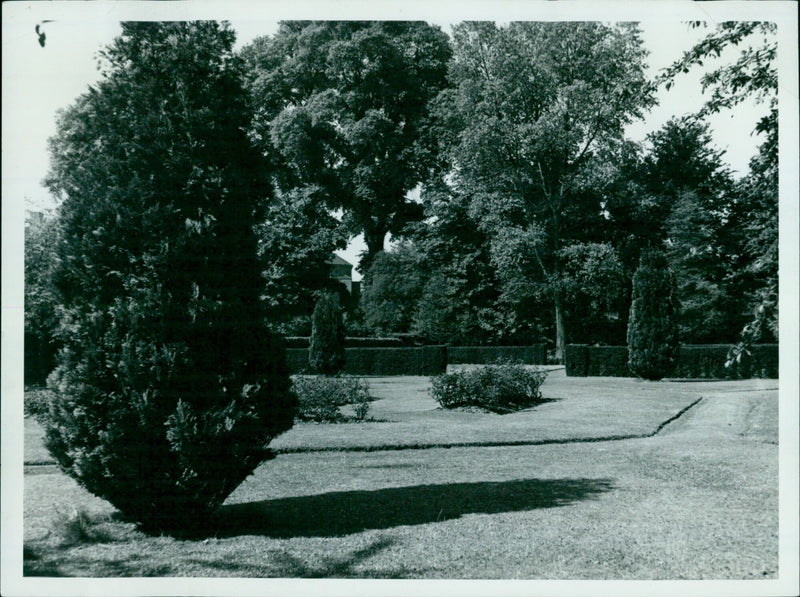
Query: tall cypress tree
[
  {"x": 326, "y": 353},
  {"x": 652, "y": 327},
  {"x": 169, "y": 386}
]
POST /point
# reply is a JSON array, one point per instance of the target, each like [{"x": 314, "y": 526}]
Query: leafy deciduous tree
[
  {"x": 753, "y": 75},
  {"x": 343, "y": 106},
  {"x": 295, "y": 242},
  {"x": 533, "y": 105},
  {"x": 396, "y": 281}
]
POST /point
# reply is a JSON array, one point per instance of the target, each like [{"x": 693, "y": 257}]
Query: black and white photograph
[{"x": 400, "y": 299}]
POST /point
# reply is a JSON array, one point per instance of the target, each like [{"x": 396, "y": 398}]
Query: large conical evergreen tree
[
  {"x": 652, "y": 327},
  {"x": 169, "y": 388}
]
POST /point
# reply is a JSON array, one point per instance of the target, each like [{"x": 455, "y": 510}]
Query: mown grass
[
  {"x": 698, "y": 500},
  {"x": 403, "y": 414}
]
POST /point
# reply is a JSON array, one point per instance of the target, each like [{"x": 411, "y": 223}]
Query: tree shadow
[
  {"x": 277, "y": 563},
  {"x": 54, "y": 563},
  {"x": 346, "y": 512},
  {"x": 284, "y": 564}
]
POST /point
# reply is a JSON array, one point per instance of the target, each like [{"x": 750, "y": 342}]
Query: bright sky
[{"x": 38, "y": 81}]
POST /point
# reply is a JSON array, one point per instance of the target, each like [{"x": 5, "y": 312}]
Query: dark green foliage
[
  {"x": 326, "y": 350},
  {"x": 422, "y": 360},
  {"x": 483, "y": 355},
  {"x": 498, "y": 388},
  {"x": 459, "y": 303},
  {"x": 349, "y": 342},
  {"x": 41, "y": 298},
  {"x": 752, "y": 76},
  {"x": 342, "y": 106},
  {"x": 593, "y": 361},
  {"x": 652, "y": 327},
  {"x": 694, "y": 362},
  {"x": 577, "y": 360},
  {"x": 532, "y": 125},
  {"x": 607, "y": 361},
  {"x": 295, "y": 241},
  {"x": 594, "y": 289},
  {"x": 169, "y": 387},
  {"x": 393, "y": 289},
  {"x": 320, "y": 397},
  {"x": 36, "y": 402},
  {"x": 760, "y": 360}
]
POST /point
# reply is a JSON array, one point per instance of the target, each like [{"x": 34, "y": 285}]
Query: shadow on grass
[
  {"x": 282, "y": 563},
  {"x": 54, "y": 563},
  {"x": 342, "y": 513},
  {"x": 275, "y": 563}
]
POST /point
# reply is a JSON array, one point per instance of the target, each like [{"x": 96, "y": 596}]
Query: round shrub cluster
[
  {"x": 499, "y": 388},
  {"x": 320, "y": 397}
]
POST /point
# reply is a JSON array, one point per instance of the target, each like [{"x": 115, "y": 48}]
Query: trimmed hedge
[
  {"x": 422, "y": 360},
  {"x": 484, "y": 355},
  {"x": 349, "y": 342},
  {"x": 708, "y": 361},
  {"x": 694, "y": 362},
  {"x": 577, "y": 360},
  {"x": 606, "y": 361}
]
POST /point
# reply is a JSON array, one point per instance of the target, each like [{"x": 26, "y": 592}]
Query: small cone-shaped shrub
[
  {"x": 326, "y": 353},
  {"x": 169, "y": 387},
  {"x": 652, "y": 328}
]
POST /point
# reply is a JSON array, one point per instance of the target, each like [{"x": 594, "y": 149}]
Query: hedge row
[
  {"x": 482, "y": 355},
  {"x": 422, "y": 360},
  {"x": 709, "y": 361},
  {"x": 349, "y": 342},
  {"x": 694, "y": 362}
]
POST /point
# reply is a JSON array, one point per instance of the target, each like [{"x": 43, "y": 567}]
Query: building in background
[{"x": 341, "y": 270}]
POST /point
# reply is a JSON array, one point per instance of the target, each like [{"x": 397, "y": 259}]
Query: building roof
[{"x": 336, "y": 260}]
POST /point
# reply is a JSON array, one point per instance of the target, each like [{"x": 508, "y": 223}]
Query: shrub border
[
  {"x": 533, "y": 354},
  {"x": 422, "y": 360},
  {"x": 695, "y": 361}
]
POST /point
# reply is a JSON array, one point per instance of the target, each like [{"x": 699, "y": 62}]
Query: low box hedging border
[
  {"x": 577, "y": 360},
  {"x": 607, "y": 361},
  {"x": 421, "y": 360},
  {"x": 534, "y": 354},
  {"x": 694, "y": 362},
  {"x": 708, "y": 361},
  {"x": 349, "y": 342}
]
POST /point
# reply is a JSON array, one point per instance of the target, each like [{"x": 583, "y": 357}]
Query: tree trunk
[
  {"x": 374, "y": 240},
  {"x": 560, "y": 333}
]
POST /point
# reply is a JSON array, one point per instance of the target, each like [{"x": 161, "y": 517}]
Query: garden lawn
[
  {"x": 697, "y": 501},
  {"x": 576, "y": 408}
]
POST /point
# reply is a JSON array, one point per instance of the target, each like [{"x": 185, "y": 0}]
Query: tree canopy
[
  {"x": 534, "y": 113},
  {"x": 753, "y": 75},
  {"x": 343, "y": 106}
]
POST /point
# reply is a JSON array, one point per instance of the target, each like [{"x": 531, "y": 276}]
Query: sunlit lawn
[{"x": 698, "y": 500}]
